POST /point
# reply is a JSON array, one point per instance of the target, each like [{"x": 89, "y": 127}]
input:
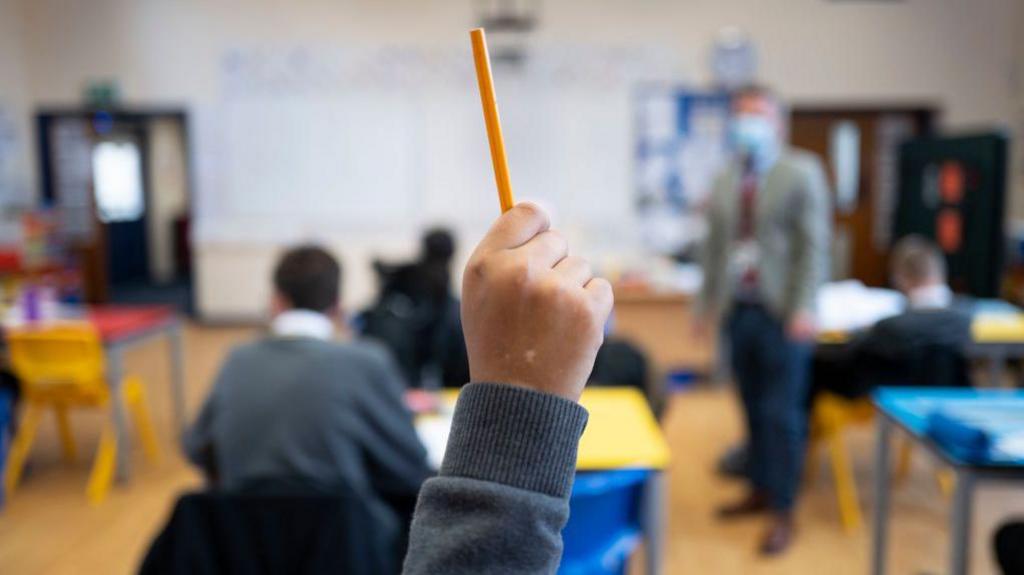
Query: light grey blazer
[{"x": 792, "y": 227}]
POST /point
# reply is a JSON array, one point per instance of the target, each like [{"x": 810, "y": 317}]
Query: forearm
[{"x": 502, "y": 497}]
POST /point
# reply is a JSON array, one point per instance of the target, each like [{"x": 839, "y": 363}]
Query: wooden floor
[{"x": 47, "y": 526}]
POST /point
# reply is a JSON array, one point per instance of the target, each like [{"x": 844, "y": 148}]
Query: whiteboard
[{"x": 304, "y": 138}]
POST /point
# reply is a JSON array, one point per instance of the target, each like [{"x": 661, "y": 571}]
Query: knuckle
[
  {"x": 557, "y": 238},
  {"x": 517, "y": 274},
  {"x": 551, "y": 290},
  {"x": 478, "y": 268},
  {"x": 530, "y": 210},
  {"x": 552, "y": 294},
  {"x": 586, "y": 314},
  {"x": 603, "y": 292},
  {"x": 574, "y": 303},
  {"x": 584, "y": 265}
]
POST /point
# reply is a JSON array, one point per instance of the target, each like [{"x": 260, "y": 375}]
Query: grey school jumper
[
  {"x": 502, "y": 497},
  {"x": 320, "y": 411}
]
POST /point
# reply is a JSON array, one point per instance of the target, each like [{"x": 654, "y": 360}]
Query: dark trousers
[{"x": 771, "y": 373}]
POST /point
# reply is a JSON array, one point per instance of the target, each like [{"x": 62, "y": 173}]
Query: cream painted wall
[
  {"x": 959, "y": 55},
  {"x": 16, "y": 175}
]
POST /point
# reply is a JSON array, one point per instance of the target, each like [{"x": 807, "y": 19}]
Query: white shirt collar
[
  {"x": 302, "y": 323},
  {"x": 930, "y": 296}
]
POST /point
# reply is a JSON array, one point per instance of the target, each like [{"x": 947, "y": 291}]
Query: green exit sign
[{"x": 101, "y": 94}]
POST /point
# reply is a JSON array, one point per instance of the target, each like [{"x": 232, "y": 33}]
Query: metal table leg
[
  {"x": 654, "y": 510},
  {"x": 880, "y": 534},
  {"x": 177, "y": 350},
  {"x": 115, "y": 373},
  {"x": 960, "y": 523}
]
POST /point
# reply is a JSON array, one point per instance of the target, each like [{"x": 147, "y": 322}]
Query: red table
[
  {"x": 122, "y": 327},
  {"x": 117, "y": 322}
]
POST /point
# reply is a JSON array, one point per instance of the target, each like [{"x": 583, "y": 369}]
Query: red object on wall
[
  {"x": 951, "y": 182},
  {"x": 949, "y": 230}
]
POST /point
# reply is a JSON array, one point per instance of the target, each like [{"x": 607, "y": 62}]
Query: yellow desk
[
  {"x": 997, "y": 338},
  {"x": 985, "y": 329},
  {"x": 998, "y": 328},
  {"x": 621, "y": 434}
]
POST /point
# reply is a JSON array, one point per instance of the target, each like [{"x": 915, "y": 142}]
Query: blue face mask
[{"x": 754, "y": 138}]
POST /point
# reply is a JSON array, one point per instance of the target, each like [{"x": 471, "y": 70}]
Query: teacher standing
[{"x": 765, "y": 257}]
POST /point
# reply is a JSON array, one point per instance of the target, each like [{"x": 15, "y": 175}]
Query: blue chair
[
  {"x": 6, "y": 417},
  {"x": 604, "y": 522}
]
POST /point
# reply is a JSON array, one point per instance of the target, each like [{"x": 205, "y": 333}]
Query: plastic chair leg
[
  {"x": 135, "y": 399},
  {"x": 903, "y": 462},
  {"x": 21, "y": 446},
  {"x": 67, "y": 439},
  {"x": 946, "y": 480},
  {"x": 102, "y": 475},
  {"x": 846, "y": 485}
]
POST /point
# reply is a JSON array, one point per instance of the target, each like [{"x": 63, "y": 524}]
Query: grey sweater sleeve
[
  {"x": 713, "y": 255},
  {"x": 813, "y": 236},
  {"x": 197, "y": 441},
  {"x": 502, "y": 497}
]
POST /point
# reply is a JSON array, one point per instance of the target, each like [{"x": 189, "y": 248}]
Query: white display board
[
  {"x": 361, "y": 149},
  {"x": 303, "y": 137}
]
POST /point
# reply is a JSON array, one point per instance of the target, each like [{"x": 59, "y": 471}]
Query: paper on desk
[
  {"x": 433, "y": 431},
  {"x": 850, "y": 305},
  {"x": 1011, "y": 446}
]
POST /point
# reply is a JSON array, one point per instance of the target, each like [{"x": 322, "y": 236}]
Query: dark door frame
[{"x": 46, "y": 116}]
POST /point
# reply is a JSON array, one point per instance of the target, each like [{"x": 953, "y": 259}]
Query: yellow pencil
[{"x": 490, "y": 105}]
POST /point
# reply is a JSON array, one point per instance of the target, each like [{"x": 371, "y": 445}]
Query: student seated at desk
[
  {"x": 923, "y": 346},
  {"x": 296, "y": 405},
  {"x": 416, "y": 314}
]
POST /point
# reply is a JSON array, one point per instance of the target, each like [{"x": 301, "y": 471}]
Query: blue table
[{"x": 908, "y": 409}]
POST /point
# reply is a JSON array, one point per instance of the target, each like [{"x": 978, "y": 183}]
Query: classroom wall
[
  {"x": 16, "y": 174},
  {"x": 958, "y": 55}
]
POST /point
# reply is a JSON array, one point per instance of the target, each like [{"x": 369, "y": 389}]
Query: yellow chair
[
  {"x": 63, "y": 367},
  {"x": 832, "y": 415}
]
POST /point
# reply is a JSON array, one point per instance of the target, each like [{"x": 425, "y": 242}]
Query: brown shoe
[
  {"x": 779, "y": 536},
  {"x": 754, "y": 503}
]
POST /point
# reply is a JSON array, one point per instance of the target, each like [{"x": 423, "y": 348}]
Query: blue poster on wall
[{"x": 681, "y": 144}]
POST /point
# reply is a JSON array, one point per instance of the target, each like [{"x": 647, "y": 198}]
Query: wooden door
[{"x": 863, "y": 215}]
